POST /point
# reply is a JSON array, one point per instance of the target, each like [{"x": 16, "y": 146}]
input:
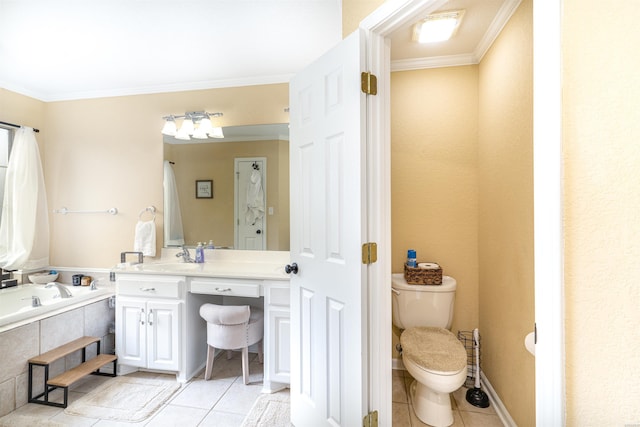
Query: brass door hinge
[
  {"x": 370, "y": 420},
  {"x": 369, "y": 83},
  {"x": 369, "y": 253}
]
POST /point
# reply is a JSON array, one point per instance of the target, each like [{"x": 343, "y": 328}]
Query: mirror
[{"x": 213, "y": 195}]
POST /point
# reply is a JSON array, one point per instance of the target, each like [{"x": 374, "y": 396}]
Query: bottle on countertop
[
  {"x": 199, "y": 253},
  {"x": 411, "y": 258},
  {"x": 210, "y": 245}
]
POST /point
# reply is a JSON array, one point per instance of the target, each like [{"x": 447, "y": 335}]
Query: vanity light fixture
[
  {"x": 196, "y": 124},
  {"x": 437, "y": 27}
]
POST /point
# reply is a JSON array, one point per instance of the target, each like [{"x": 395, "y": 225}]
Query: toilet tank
[{"x": 422, "y": 305}]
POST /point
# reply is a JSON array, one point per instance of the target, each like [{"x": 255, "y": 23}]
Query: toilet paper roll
[
  {"x": 429, "y": 265},
  {"x": 530, "y": 343}
]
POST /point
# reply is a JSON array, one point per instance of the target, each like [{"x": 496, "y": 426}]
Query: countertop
[{"x": 232, "y": 264}]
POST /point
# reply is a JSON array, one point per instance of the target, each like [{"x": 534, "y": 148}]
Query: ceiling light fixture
[
  {"x": 437, "y": 27},
  {"x": 196, "y": 124}
]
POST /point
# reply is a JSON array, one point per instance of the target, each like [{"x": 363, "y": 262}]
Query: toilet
[{"x": 430, "y": 352}]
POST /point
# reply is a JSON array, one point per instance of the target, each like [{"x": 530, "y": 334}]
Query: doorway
[
  {"x": 250, "y": 201},
  {"x": 547, "y": 203}
]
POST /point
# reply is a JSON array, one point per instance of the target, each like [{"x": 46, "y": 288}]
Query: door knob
[
  {"x": 291, "y": 268},
  {"x": 258, "y": 231}
]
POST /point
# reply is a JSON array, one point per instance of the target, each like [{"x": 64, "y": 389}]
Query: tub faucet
[
  {"x": 123, "y": 256},
  {"x": 35, "y": 301},
  {"x": 186, "y": 256},
  {"x": 64, "y": 292}
]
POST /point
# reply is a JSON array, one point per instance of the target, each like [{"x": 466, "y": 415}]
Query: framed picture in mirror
[{"x": 204, "y": 189}]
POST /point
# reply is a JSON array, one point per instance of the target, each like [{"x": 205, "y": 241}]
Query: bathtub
[{"x": 16, "y": 308}]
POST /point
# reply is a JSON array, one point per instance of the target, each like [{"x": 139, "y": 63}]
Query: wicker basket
[{"x": 422, "y": 276}]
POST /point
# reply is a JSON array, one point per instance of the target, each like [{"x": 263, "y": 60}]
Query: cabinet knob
[{"x": 291, "y": 268}]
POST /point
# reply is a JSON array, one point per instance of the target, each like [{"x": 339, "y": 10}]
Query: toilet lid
[{"x": 433, "y": 349}]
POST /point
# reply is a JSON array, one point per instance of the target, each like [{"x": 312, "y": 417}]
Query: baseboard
[
  {"x": 396, "y": 364},
  {"x": 498, "y": 406}
]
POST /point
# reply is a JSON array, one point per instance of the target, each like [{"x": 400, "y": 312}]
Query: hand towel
[{"x": 145, "y": 238}]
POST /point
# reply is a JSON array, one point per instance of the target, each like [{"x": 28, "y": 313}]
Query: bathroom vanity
[{"x": 158, "y": 325}]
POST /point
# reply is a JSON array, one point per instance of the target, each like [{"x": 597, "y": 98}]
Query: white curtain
[
  {"x": 173, "y": 232},
  {"x": 24, "y": 229}
]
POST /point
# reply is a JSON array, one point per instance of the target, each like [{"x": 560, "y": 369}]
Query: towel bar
[{"x": 64, "y": 211}]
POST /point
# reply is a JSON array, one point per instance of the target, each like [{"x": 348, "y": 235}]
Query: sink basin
[{"x": 174, "y": 266}]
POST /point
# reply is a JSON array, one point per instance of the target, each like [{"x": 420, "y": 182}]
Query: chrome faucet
[
  {"x": 186, "y": 256},
  {"x": 35, "y": 301},
  {"x": 123, "y": 256},
  {"x": 64, "y": 292}
]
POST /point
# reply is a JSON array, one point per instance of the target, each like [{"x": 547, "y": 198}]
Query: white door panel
[{"x": 328, "y": 299}]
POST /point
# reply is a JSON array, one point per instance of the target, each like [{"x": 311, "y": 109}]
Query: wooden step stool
[{"x": 64, "y": 380}]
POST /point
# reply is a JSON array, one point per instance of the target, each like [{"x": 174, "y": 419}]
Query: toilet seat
[{"x": 434, "y": 350}]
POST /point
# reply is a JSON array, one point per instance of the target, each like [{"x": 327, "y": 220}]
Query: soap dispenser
[{"x": 199, "y": 253}]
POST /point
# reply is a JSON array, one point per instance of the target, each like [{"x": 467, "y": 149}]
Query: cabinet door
[
  {"x": 279, "y": 347},
  {"x": 163, "y": 339},
  {"x": 131, "y": 332}
]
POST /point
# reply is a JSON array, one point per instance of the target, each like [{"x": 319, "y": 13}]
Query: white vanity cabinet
[
  {"x": 277, "y": 328},
  {"x": 158, "y": 325},
  {"x": 149, "y": 321}
]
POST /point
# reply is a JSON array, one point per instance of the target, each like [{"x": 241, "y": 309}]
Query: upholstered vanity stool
[{"x": 232, "y": 327}]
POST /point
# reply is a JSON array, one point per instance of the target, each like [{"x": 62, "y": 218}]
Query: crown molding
[
  {"x": 505, "y": 13},
  {"x": 499, "y": 21},
  {"x": 433, "y": 62}
]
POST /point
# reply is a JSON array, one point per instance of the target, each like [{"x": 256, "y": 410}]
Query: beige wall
[
  {"x": 108, "y": 152},
  {"x": 22, "y": 110},
  {"x": 354, "y": 11},
  {"x": 505, "y": 222},
  {"x": 601, "y": 134},
  {"x": 213, "y": 219},
  {"x": 434, "y": 191}
]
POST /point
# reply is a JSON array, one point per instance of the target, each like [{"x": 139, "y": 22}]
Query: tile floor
[
  {"x": 464, "y": 414},
  {"x": 225, "y": 401}
]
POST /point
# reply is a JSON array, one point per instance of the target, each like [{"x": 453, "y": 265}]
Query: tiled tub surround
[{"x": 22, "y": 342}]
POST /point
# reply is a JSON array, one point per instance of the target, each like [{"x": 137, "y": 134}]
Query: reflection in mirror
[{"x": 247, "y": 206}]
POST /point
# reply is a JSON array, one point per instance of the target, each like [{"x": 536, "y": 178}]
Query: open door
[
  {"x": 250, "y": 203},
  {"x": 329, "y": 350}
]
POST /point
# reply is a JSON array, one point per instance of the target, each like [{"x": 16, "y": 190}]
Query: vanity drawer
[
  {"x": 151, "y": 287},
  {"x": 228, "y": 287}
]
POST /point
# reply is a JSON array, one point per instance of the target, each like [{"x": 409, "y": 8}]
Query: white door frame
[
  {"x": 547, "y": 142},
  {"x": 548, "y": 229}
]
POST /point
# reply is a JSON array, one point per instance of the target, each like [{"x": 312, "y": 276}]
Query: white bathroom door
[
  {"x": 329, "y": 358},
  {"x": 250, "y": 227}
]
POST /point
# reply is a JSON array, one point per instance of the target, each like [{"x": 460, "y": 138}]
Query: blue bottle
[
  {"x": 411, "y": 258},
  {"x": 199, "y": 253}
]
